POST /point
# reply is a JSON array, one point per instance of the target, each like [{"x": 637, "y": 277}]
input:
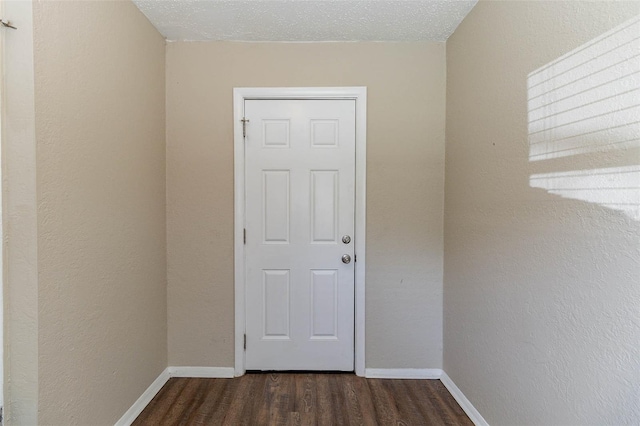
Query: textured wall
[
  {"x": 99, "y": 80},
  {"x": 541, "y": 292},
  {"x": 405, "y": 156}
]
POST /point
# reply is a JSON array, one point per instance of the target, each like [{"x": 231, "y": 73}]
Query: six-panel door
[{"x": 300, "y": 183}]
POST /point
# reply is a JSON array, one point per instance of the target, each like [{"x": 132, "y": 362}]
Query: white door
[{"x": 300, "y": 192}]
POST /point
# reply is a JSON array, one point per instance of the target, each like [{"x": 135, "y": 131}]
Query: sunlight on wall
[
  {"x": 588, "y": 102},
  {"x": 617, "y": 188},
  {"x": 589, "y": 99}
]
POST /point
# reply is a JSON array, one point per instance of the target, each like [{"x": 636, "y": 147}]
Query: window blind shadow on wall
[{"x": 587, "y": 102}]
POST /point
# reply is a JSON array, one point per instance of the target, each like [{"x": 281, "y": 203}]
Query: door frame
[{"x": 359, "y": 94}]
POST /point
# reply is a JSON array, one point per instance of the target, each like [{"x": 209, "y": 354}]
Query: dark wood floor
[{"x": 302, "y": 399}]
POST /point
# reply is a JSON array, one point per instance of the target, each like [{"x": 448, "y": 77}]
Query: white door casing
[{"x": 301, "y": 173}]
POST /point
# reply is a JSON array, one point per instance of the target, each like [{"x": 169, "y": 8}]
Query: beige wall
[
  {"x": 541, "y": 293},
  {"x": 405, "y": 153},
  {"x": 99, "y": 101}
]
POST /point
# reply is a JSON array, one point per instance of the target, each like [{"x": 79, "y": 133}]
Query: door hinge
[
  {"x": 244, "y": 235},
  {"x": 244, "y": 127},
  {"x": 245, "y": 342},
  {"x": 7, "y": 24}
]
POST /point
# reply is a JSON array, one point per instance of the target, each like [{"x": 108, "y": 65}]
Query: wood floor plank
[
  {"x": 384, "y": 404},
  {"x": 274, "y": 388},
  {"x": 407, "y": 407},
  {"x": 284, "y": 402},
  {"x": 365, "y": 400},
  {"x": 157, "y": 410},
  {"x": 181, "y": 405},
  {"x": 229, "y": 392},
  {"x": 352, "y": 410},
  {"x": 429, "y": 411},
  {"x": 302, "y": 399},
  {"x": 305, "y": 400},
  {"x": 254, "y": 400},
  {"x": 337, "y": 400},
  {"x": 325, "y": 413},
  {"x": 214, "y": 394},
  {"x": 243, "y": 405},
  {"x": 265, "y": 396},
  {"x": 451, "y": 411},
  {"x": 190, "y": 408}
]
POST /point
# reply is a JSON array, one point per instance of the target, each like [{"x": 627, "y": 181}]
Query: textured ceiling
[{"x": 306, "y": 20}]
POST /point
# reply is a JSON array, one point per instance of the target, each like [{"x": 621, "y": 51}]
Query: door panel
[
  {"x": 275, "y": 206},
  {"x": 277, "y": 300},
  {"x": 299, "y": 202},
  {"x": 324, "y": 306},
  {"x": 324, "y": 206}
]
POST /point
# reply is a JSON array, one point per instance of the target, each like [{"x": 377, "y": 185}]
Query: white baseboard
[
  {"x": 202, "y": 372},
  {"x": 466, "y": 405},
  {"x": 146, "y": 397},
  {"x": 402, "y": 373}
]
